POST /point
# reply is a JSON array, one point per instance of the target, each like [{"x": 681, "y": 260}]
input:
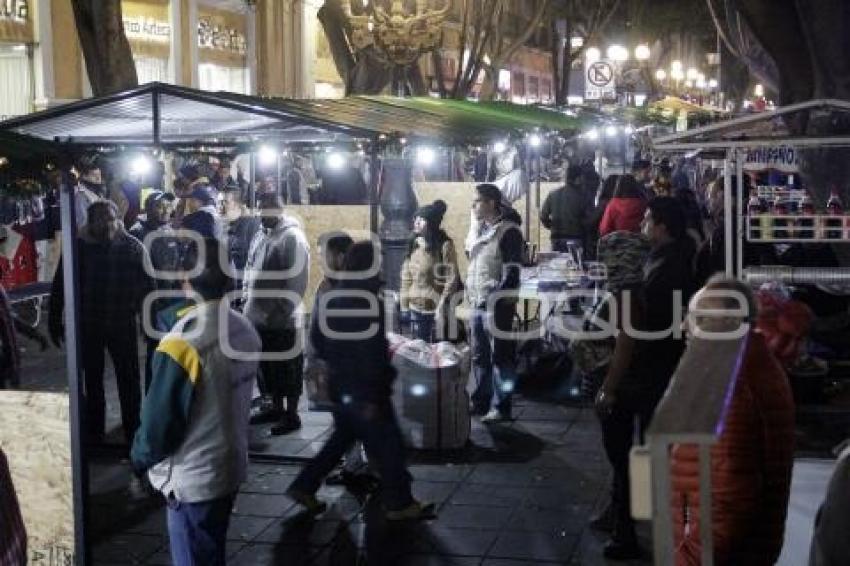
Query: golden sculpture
[{"x": 400, "y": 38}]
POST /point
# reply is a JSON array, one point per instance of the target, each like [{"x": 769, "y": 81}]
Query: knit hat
[
  {"x": 489, "y": 191},
  {"x": 433, "y": 213},
  {"x": 623, "y": 254},
  {"x": 154, "y": 198}
]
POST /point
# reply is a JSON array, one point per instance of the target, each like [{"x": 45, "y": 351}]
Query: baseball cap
[{"x": 203, "y": 193}]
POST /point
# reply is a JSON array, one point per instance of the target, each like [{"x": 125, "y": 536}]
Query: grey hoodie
[{"x": 278, "y": 260}]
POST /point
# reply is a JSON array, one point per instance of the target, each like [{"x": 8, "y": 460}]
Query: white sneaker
[{"x": 494, "y": 416}]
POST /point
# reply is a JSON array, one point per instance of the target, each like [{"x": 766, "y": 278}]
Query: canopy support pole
[
  {"x": 740, "y": 232},
  {"x": 70, "y": 279},
  {"x": 374, "y": 185},
  {"x": 157, "y": 116},
  {"x": 728, "y": 217}
]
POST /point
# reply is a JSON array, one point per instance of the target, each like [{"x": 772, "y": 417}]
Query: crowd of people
[{"x": 219, "y": 291}]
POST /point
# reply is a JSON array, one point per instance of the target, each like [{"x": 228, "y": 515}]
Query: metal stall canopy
[
  {"x": 165, "y": 115},
  {"x": 764, "y": 128}
]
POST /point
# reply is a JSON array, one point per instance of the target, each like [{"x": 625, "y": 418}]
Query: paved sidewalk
[{"x": 521, "y": 494}]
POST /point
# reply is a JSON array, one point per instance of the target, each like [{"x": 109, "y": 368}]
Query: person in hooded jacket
[
  {"x": 565, "y": 212},
  {"x": 278, "y": 263},
  {"x": 429, "y": 274},
  {"x": 360, "y": 386},
  {"x": 626, "y": 210}
]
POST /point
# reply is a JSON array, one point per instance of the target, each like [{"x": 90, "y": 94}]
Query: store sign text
[
  {"x": 14, "y": 10},
  {"x": 147, "y": 29},
  {"x": 782, "y": 158},
  {"x": 212, "y": 36}
]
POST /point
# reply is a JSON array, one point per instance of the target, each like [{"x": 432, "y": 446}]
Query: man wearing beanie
[
  {"x": 495, "y": 258},
  {"x": 565, "y": 212},
  {"x": 429, "y": 274}
]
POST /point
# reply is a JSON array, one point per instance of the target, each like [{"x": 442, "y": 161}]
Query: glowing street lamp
[
  {"x": 692, "y": 74},
  {"x": 759, "y": 90},
  {"x": 676, "y": 66},
  {"x": 576, "y": 42},
  {"x": 592, "y": 54},
  {"x": 712, "y": 83},
  {"x": 677, "y": 74},
  {"x": 642, "y": 52},
  {"x": 267, "y": 155},
  {"x": 661, "y": 74},
  {"x": 618, "y": 53},
  {"x": 611, "y": 131},
  {"x": 141, "y": 165},
  {"x": 426, "y": 156}
]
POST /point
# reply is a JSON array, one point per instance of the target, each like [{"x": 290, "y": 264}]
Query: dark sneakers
[
  {"x": 416, "y": 511},
  {"x": 288, "y": 423}
]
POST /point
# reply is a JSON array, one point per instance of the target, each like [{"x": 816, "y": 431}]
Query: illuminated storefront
[
  {"x": 223, "y": 51},
  {"x": 148, "y": 28},
  {"x": 16, "y": 67}
]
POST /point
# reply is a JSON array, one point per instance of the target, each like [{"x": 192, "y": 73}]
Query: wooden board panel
[
  {"x": 318, "y": 220},
  {"x": 35, "y": 435}
]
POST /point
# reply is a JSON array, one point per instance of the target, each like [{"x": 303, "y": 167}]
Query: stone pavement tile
[
  {"x": 588, "y": 552},
  {"x": 474, "y": 517},
  {"x": 561, "y": 498},
  {"x": 510, "y": 562},
  {"x": 273, "y": 483},
  {"x": 533, "y": 546},
  {"x": 163, "y": 556},
  {"x": 245, "y": 528},
  {"x": 433, "y": 492},
  {"x": 425, "y": 560},
  {"x": 270, "y": 555},
  {"x": 448, "y": 540},
  {"x": 571, "y": 521},
  {"x": 570, "y": 477},
  {"x": 301, "y": 531},
  {"x": 280, "y": 445},
  {"x": 440, "y": 472},
  {"x": 127, "y": 548},
  {"x": 539, "y": 412},
  {"x": 488, "y": 495},
  {"x": 310, "y": 450},
  {"x": 262, "y": 505},
  {"x": 514, "y": 475}
]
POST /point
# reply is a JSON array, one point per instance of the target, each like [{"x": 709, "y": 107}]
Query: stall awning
[
  {"x": 764, "y": 129},
  {"x": 162, "y": 114}
]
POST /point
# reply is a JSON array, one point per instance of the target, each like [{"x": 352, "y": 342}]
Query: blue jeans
[
  {"x": 422, "y": 325},
  {"x": 374, "y": 424},
  {"x": 493, "y": 363},
  {"x": 198, "y": 531}
]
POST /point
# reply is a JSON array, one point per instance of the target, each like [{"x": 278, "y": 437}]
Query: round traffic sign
[{"x": 600, "y": 74}]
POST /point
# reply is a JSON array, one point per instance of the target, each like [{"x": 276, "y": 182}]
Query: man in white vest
[{"x": 495, "y": 258}]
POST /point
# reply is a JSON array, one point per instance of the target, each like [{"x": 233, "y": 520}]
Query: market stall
[
  {"x": 158, "y": 121},
  {"x": 782, "y": 207}
]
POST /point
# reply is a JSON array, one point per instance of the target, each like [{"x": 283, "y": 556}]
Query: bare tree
[
  {"x": 109, "y": 61},
  {"x": 585, "y": 19},
  {"x": 802, "y": 52},
  {"x": 486, "y": 43}
]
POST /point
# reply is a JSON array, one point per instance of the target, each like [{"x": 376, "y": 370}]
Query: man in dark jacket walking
[
  {"x": 113, "y": 285},
  {"x": 566, "y": 210},
  {"x": 360, "y": 380}
]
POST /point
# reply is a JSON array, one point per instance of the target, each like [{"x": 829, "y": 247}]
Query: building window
[
  {"x": 546, "y": 90},
  {"x": 16, "y": 92},
  {"x": 222, "y": 50},
  {"x": 218, "y": 77},
  {"x": 148, "y": 29},
  {"x": 533, "y": 89},
  {"x": 518, "y": 84}
]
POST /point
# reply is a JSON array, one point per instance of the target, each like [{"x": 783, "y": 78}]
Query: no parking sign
[{"x": 600, "y": 80}]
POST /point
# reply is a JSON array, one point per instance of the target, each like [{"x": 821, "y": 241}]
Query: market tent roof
[
  {"x": 676, "y": 104},
  {"x": 764, "y": 128},
  {"x": 20, "y": 147},
  {"x": 162, "y": 114}
]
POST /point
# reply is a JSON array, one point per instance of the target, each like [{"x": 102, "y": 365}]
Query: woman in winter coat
[
  {"x": 626, "y": 210},
  {"x": 429, "y": 275}
]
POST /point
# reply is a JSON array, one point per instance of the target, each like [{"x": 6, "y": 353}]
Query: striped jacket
[{"x": 193, "y": 437}]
